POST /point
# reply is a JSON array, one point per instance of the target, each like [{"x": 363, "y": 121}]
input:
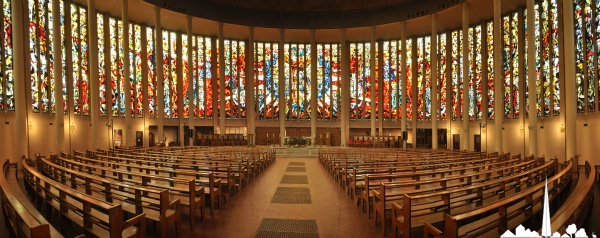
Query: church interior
[{"x": 263, "y": 118}]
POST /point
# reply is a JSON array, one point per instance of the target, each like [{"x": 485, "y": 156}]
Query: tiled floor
[{"x": 334, "y": 212}]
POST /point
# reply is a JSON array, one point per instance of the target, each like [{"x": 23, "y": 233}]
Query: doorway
[
  {"x": 151, "y": 139},
  {"x": 477, "y": 142},
  {"x": 456, "y": 141},
  {"x": 139, "y": 138}
]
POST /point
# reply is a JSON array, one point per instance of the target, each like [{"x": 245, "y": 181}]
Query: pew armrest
[
  {"x": 140, "y": 220},
  {"x": 430, "y": 230}
]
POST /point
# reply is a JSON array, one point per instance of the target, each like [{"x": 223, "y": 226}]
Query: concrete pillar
[
  {"x": 313, "y": 86},
  {"x": 570, "y": 91},
  {"x": 250, "y": 97},
  {"x": 282, "y": 103},
  {"x": 449, "y": 93},
  {"x": 465, "y": 142},
  {"x": 345, "y": 97},
  {"x": 380, "y": 88},
  {"x": 222, "y": 111},
  {"x": 180, "y": 93},
  {"x": 20, "y": 82},
  {"x": 160, "y": 92},
  {"x": 434, "y": 82},
  {"x": 145, "y": 103},
  {"x": 93, "y": 71},
  {"x": 190, "y": 78},
  {"x": 373, "y": 80},
  {"x": 403, "y": 79},
  {"x": 498, "y": 94},
  {"x": 415, "y": 94},
  {"x": 59, "y": 117},
  {"x": 128, "y": 138}
]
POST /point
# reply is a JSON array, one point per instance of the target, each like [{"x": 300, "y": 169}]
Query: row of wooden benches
[
  {"x": 426, "y": 186},
  {"x": 96, "y": 192}
]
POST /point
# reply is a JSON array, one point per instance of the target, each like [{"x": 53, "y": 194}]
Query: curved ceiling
[
  {"x": 306, "y": 14},
  {"x": 176, "y": 20}
]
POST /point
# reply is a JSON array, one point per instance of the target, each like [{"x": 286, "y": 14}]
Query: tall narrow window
[
  {"x": 391, "y": 82},
  {"x": 297, "y": 81},
  {"x": 360, "y": 80},
  {"x": 328, "y": 82},
  {"x": 40, "y": 56},
  {"x": 186, "y": 74},
  {"x": 457, "y": 75},
  {"x": 477, "y": 88},
  {"x": 201, "y": 55},
  {"x": 443, "y": 81},
  {"x": 136, "y": 73},
  {"x": 408, "y": 79},
  {"x": 151, "y": 61},
  {"x": 79, "y": 51},
  {"x": 490, "y": 69},
  {"x": 235, "y": 78},
  {"x": 101, "y": 65},
  {"x": 266, "y": 80}
]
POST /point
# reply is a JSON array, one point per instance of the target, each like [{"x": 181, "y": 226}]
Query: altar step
[{"x": 297, "y": 152}]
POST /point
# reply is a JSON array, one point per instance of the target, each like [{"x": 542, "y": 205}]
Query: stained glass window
[
  {"x": 391, "y": 82},
  {"x": 186, "y": 71},
  {"x": 360, "y": 80},
  {"x": 579, "y": 56},
  {"x": 541, "y": 30},
  {"x": 408, "y": 78},
  {"x": 63, "y": 36},
  {"x": 170, "y": 73},
  {"x": 7, "y": 95},
  {"x": 235, "y": 78},
  {"x": 457, "y": 74},
  {"x": 266, "y": 80},
  {"x": 511, "y": 66},
  {"x": 116, "y": 65},
  {"x": 79, "y": 51},
  {"x": 470, "y": 90},
  {"x": 137, "y": 73},
  {"x": 328, "y": 82},
  {"x": 101, "y": 64},
  {"x": 424, "y": 78},
  {"x": 40, "y": 48},
  {"x": 151, "y": 61},
  {"x": 590, "y": 54},
  {"x": 202, "y": 82},
  {"x": 297, "y": 81},
  {"x": 490, "y": 69},
  {"x": 442, "y": 67},
  {"x": 477, "y": 72},
  {"x": 555, "y": 58},
  {"x": 34, "y": 57}
]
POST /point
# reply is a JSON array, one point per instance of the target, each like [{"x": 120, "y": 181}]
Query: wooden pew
[
  {"x": 155, "y": 203},
  {"x": 22, "y": 222},
  {"x": 478, "y": 170},
  {"x": 96, "y": 217},
  {"x": 496, "y": 216},
  {"x": 576, "y": 208},
  {"x": 190, "y": 192},
  {"x": 212, "y": 185},
  {"x": 432, "y": 206}
]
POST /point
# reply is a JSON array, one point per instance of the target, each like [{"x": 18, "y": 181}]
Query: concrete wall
[{"x": 551, "y": 140}]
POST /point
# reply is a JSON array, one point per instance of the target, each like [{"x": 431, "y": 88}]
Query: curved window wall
[{"x": 200, "y": 69}]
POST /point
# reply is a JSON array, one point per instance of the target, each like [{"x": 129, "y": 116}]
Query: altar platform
[{"x": 297, "y": 152}]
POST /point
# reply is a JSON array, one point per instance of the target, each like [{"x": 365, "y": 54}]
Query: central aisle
[{"x": 292, "y": 210}]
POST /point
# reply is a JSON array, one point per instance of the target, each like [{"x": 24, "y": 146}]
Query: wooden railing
[{"x": 22, "y": 222}]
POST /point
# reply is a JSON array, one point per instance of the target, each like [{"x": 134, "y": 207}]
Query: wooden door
[
  {"x": 151, "y": 139},
  {"x": 139, "y": 138},
  {"x": 477, "y": 142},
  {"x": 456, "y": 141}
]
